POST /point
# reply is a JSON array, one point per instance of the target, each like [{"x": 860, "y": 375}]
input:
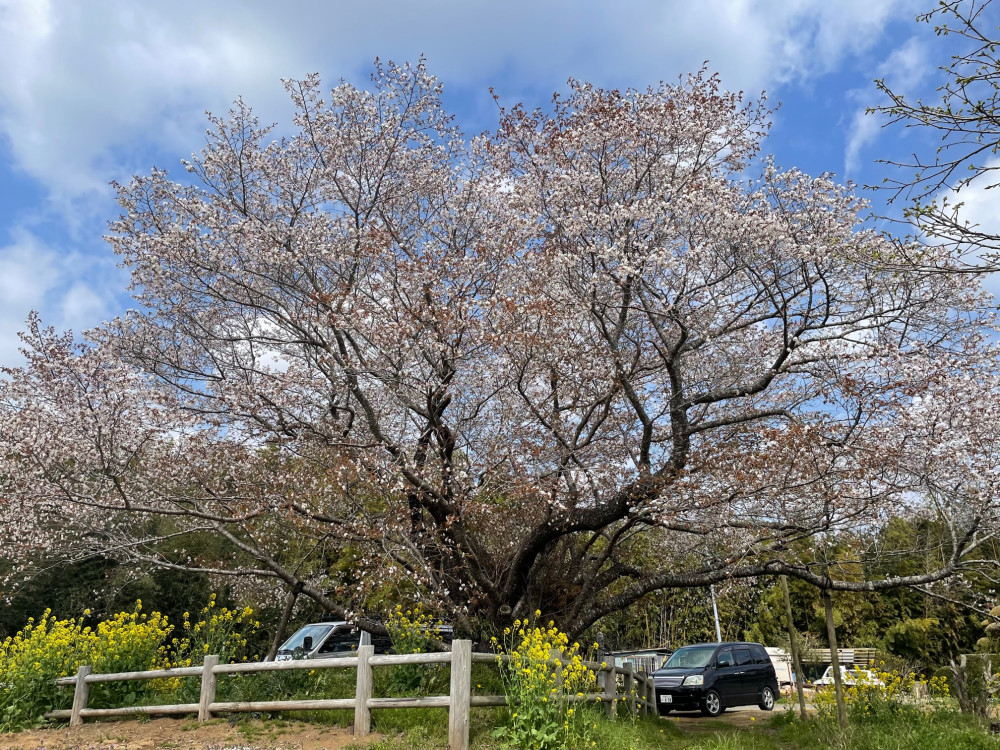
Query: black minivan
[{"x": 715, "y": 676}]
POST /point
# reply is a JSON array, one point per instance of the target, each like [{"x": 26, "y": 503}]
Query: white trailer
[{"x": 782, "y": 661}]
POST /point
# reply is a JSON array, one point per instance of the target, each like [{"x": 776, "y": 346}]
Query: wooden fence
[{"x": 637, "y": 689}]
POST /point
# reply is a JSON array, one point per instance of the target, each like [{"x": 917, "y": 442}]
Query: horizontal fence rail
[{"x": 637, "y": 689}]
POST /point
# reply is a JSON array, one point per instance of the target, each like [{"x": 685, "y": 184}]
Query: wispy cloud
[
  {"x": 76, "y": 290},
  {"x": 903, "y": 70},
  {"x": 29, "y": 272},
  {"x": 96, "y": 91},
  {"x": 90, "y": 90}
]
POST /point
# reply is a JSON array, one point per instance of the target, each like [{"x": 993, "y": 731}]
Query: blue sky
[{"x": 95, "y": 91}]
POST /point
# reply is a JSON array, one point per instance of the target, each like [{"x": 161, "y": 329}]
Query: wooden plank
[
  {"x": 586, "y": 698},
  {"x": 431, "y": 701},
  {"x": 346, "y": 662},
  {"x": 172, "y": 709},
  {"x": 384, "y": 660},
  {"x": 208, "y": 682},
  {"x": 151, "y": 674},
  {"x": 80, "y": 696},
  {"x": 478, "y": 658},
  {"x": 488, "y": 700},
  {"x": 324, "y": 704},
  {"x": 460, "y": 695},
  {"x": 501, "y": 700},
  {"x": 363, "y": 692}
]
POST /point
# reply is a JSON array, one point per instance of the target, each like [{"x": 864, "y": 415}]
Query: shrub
[
  {"x": 43, "y": 651},
  {"x": 545, "y": 698},
  {"x": 218, "y": 630},
  {"x": 128, "y": 642},
  {"x": 31, "y": 660},
  {"x": 221, "y": 631},
  {"x": 889, "y": 694},
  {"x": 413, "y": 631}
]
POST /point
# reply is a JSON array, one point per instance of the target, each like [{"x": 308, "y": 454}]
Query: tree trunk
[
  {"x": 279, "y": 634},
  {"x": 794, "y": 648},
  {"x": 831, "y": 632}
]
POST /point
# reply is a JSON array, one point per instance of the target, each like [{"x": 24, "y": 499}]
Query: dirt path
[
  {"x": 737, "y": 718},
  {"x": 185, "y": 734}
]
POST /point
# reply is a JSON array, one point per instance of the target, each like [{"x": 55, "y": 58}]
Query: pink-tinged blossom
[{"x": 605, "y": 350}]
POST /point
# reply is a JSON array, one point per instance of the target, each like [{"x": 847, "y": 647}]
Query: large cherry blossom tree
[{"x": 606, "y": 350}]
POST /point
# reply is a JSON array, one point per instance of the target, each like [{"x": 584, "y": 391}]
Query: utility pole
[{"x": 715, "y": 611}]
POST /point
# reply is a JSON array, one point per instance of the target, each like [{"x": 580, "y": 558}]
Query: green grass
[
  {"x": 879, "y": 726},
  {"x": 914, "y": 730}
]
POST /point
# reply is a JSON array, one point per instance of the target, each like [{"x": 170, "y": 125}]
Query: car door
[
  {"x": 727, "y": 681},
  {"x": 343, "y": 641},
  {"x": 764, "y": 671},
  {"x": 746, "y": 673}
]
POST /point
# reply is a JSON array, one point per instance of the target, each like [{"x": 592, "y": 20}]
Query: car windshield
[
  {"x": 691, "y": 656},
  {"x": 316, "y": 632}
]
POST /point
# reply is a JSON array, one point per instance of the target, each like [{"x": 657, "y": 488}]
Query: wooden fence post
[
  {"x": 208, "y": 683},
  {"x": 611, "y": 689},
  {"x": 363, "y": 692},
  {"x": 556, "y": 655},
  {"x": 80, "y": 695},
  {"x": 460, "y": 701},
  {"x": 629, "y": 686}
]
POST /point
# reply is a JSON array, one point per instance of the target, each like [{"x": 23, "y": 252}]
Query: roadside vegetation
[{"x": 898, "y": 712}]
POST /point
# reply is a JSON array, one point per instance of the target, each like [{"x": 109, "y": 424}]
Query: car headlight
[{"x": 694, "y": 679}]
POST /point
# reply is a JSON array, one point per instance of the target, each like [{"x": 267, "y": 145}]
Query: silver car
[{"x": 325, "y": 640}]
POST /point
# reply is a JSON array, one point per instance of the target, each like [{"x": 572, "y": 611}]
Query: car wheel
[
  {"x": 766, "y": 699},
  {"x": 712, "y": 704}
]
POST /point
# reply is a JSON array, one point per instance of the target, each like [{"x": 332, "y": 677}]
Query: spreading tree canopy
[{"x": 605, "y": 350}]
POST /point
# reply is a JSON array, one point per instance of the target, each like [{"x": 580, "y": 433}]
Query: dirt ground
[
  {"x": 735, "y": 717},
  {"x": 743, "y": 716},
  {"x": 185, "y": 734}
]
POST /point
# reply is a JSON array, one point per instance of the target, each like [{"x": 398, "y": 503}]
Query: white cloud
[
  {"x": 903, "y": 70},
  {"x": 95, "y": 91},
  {"x": 81, "y": 307},
  {"x": 70, "y": 289},
  {"x": 864, "y": 131},
  {"x": 89, "y": 91},
  {"x": 980, "y": 208},
  {"x": 29, "y": 271},
  {"x": 81, "y": 85}
]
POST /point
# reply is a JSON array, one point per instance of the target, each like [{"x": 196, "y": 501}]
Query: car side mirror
[{"x": 307, "y": 644}]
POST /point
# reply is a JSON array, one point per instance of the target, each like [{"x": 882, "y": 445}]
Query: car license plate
[{"x": 666, "y": 699}]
